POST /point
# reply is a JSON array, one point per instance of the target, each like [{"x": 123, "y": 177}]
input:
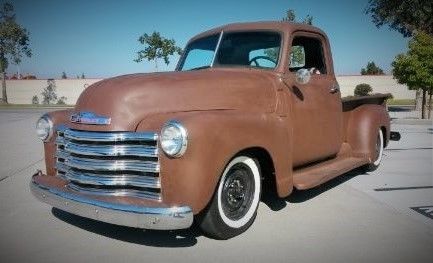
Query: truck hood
[{"x": 129, "y": 99}]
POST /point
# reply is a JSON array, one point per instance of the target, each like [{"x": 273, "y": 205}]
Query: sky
[{"x": 100, "y": 38}]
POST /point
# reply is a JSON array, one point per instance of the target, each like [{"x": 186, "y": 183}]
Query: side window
[
  {"x": 297, "y": 57},
  {"x": 307, "y": 52}
]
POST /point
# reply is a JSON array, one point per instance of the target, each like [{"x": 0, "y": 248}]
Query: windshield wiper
[{"x": 198, "y": 68}]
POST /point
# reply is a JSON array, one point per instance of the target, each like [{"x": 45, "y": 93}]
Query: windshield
[{"x": 244, "y": 49}]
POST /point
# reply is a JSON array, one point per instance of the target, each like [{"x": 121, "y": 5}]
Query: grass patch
[{"x": 401, "y": 102}]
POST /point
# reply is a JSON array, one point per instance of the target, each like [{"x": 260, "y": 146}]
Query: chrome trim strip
[
  {"x": 109, "y": 136},
  {"x": 107, "y": 165},
  {"x": 110, "y": 150},
  {"x": 115, "y": 192},
  {"x": 161, "y": 218},
  {"x": 110, "y": 180}
]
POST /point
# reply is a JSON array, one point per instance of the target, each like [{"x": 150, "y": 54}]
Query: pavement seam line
[{"x": 20, "y": 170}]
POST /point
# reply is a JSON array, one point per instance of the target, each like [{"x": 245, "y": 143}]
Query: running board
[{"x": 312, "y": 176}]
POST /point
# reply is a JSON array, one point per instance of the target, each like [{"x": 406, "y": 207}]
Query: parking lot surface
[{"x": 383, "y": 216}]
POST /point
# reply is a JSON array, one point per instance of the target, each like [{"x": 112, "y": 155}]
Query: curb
[{"x": 412, "y": 121}]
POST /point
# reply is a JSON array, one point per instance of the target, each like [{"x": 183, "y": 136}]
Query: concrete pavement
[{"x": 354, "y": 218}]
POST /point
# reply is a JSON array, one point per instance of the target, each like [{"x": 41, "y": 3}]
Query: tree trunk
[
  {"x": 418, "y": 100},
  {"x": 423, "y": 104},
  {"x": 429, "y": 104},
  {"x": 156, "y": 65},
  {"x": 4, "y": 94}
]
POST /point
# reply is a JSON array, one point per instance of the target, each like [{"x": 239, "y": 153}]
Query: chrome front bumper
[{"x": 161, "y": 218}]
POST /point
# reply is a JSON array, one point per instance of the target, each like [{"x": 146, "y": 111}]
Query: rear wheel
[
  {"x": 378, "y": 152},
  {"x": 235, "y": 202}
]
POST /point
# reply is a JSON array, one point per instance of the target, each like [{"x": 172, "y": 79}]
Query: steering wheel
[{"x": 254, "y": 59}]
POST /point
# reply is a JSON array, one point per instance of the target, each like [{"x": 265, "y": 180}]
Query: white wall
[{"x": 22, "y": 91}]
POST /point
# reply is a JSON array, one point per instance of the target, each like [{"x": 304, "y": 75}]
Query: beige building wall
[
  {"x": 380, "y": 84},
  {"x": 22, "y": 91}
]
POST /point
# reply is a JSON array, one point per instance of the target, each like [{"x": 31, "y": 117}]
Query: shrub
[
  {"x": 62, "y": 100},
  {"x": 35, "y": 100},
  {"x": 362, "y": 89}
]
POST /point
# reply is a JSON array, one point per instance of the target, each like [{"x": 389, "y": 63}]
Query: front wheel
[
  {"x": 234, "y": 205},
  {"x": 378, "y": 152}
]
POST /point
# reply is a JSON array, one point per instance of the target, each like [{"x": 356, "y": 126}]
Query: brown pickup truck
[{"x": 251, "y": 107}]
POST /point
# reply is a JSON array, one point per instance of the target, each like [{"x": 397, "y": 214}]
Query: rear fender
[{"x": 364, "y": 122}]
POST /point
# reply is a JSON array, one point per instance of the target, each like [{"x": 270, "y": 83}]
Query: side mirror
[{"x": 303, "y": 76}]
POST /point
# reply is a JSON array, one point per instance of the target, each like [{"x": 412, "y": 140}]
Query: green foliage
[
  {"x": 297, "y": 55},
  {"x": 362, "y": 89},
  {"x": 35, "y": 100},
  {"x": 49, "y": 95},
  {"x": 415, "y": 68},
  {"x": 291, "y": 17},
  {"x": 405, "y": 16},
  {"x": 64, "y": 76},
  {"x": 14, "y": 42},
  {"x": 156, "y": 47},
  {"x": 371, "y": 69},
  {"x": 62, "y": 101}
]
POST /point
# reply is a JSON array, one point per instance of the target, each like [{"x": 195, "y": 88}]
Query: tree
[
  {"x": 83, "y": 76},
  {"x": 297, "y": 54},
  {"x": 362, "y": 89},
  {"x": 64, "y": 76},
  {"x": 156, "y": 47},
  {"x": 405, "y": 16},
  {"x": 415, "y": 68},
  {"x": 371, "y": 69},
  {"x": 49, "y": 95},
  {"x": 14, "y": 43}
]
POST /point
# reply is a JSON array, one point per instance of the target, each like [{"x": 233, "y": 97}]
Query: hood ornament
[{"x": 87, "y": 117}]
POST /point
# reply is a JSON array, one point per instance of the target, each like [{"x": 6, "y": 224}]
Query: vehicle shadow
[
  {"x": 276, "y": 203},
  {"x": 155, "y": 238}
]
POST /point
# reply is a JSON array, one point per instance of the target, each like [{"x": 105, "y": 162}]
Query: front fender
[{"x": 214, "y": 139}]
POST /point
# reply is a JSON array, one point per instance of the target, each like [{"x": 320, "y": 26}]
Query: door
[{"x": 316, "y": 105}]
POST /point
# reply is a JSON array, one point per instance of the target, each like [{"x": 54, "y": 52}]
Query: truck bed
[{"x": 350, "y": 103}]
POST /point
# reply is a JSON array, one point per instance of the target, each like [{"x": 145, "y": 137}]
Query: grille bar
[
  {"x": 107, "y": 150},
  {"x": 107, "y": 165},
  {"x": 84, "y": 177},
  {"x": 109, "y": 136}
]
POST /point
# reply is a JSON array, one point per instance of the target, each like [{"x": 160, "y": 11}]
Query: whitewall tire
[{"x": 235, "y": 202}]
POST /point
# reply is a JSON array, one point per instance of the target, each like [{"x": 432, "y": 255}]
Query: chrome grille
[{"x": 109, "y": 163}]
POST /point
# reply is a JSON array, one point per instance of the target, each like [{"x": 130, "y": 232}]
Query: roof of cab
[{"x": 282, "y": 26}]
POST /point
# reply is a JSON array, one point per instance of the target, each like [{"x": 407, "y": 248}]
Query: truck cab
[{"x": 251, "y": 107}]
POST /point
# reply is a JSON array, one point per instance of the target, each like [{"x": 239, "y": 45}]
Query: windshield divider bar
[{"x": 217, "y": 49}]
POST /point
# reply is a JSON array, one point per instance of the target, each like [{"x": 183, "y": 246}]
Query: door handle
[{"x": 335, "y": 88}]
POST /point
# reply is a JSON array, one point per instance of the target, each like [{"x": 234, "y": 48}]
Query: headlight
[
  {"x": 44, "y": 128},
  {"x": 174, "y": 139}
]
